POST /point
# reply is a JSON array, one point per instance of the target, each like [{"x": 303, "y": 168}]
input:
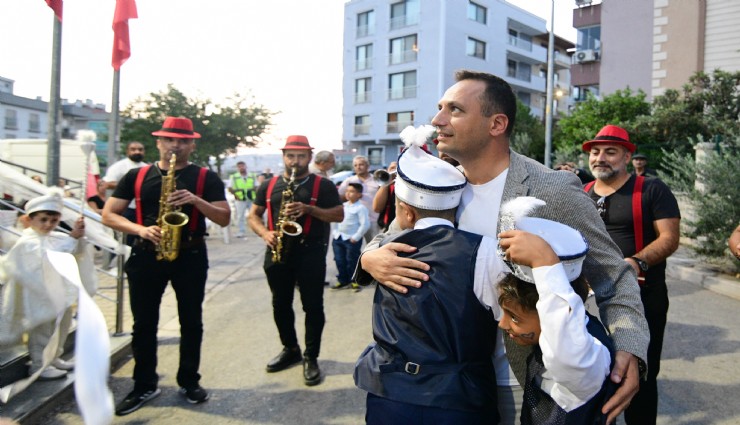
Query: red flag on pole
[
  {"x": 56, "y": 6},
  {"x": 125, "y": 10}
]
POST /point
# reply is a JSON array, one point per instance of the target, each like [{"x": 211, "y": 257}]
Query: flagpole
[
  {"x": 114, "y": 118},
  {"x": 54, "y": 129}
]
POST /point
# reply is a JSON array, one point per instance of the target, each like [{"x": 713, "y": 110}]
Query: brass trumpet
[{"x": 382, "y": 177}]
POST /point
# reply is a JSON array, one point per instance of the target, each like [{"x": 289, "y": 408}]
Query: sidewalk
[{"x": 684, "y": 265}]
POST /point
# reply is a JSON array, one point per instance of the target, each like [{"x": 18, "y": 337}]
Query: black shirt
[
  {"x": 328, "y": 198},
  {"x": 151, "y": 189},
  {"x": 657, "y": 203}
]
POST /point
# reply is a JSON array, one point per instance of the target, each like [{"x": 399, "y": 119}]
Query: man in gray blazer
[{"x": 474, "y": 123}]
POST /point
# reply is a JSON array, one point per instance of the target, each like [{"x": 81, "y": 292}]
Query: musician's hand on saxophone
[
  {"x": 181, "y": 197},
  {"x": 296, "y": 209},
  {"x": 151, "y": 233},
  {"x": 270, "y": 238}
]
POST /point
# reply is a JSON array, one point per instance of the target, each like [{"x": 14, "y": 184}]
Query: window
[
  {"x": 589, "y": 38},
  {"x": 397, "y": 121},
  {"x": 11, "y": 119},
  {"x": 402, "y": 85},
  {"x": 403, "y": 49},
  {"x": 476, "y": 48},
  {"x": 520, "y": 40},
  {"x": 34, "y": 123},
  {"x": 375, "y": 156},
  {"x": 476, "y": 13},
  {"x": 525, "y": 97},
  {"x": 404, "y": 13},
  {"x": 364, "y": 57},
  {"x": 365, "y": 23},
  {"x": 363, "y": 87},
  {"x": 519, "y": 70},
  {"x": 362, "y": 125}
]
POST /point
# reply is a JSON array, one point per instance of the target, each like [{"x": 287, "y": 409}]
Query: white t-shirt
[
  {"x": 478, "y": 213},
  {"x": 118, "y": 169}
]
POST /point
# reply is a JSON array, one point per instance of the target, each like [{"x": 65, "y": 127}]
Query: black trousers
[
  {"x": 643, "y": 410},
  {"x": 305, "y": 266},
  {"x": 147, "y": 279}
]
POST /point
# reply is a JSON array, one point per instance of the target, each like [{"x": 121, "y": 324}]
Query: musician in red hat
[
  {"x": 199, "y": 194},
  {"x": 299, "y": 205}
]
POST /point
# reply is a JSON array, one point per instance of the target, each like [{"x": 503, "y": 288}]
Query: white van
[{"x": 32, "y": 153}]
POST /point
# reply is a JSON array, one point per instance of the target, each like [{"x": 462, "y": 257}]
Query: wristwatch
[{"x": 641, "y": 264}]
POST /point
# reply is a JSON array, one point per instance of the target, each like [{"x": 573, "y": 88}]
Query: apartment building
[
  {"x": 653, "y": 45},
  {"x": 400, "y": 56}
]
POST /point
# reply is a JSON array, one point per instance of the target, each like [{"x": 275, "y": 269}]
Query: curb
[{"x": 704, "y": 277}]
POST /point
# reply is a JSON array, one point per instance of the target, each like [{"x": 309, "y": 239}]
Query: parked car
[{"x": 341, "y": 176}]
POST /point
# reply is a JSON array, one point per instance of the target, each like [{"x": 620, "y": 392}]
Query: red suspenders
[
  {"x": 199, "y": 188},
  {"x": 314, "y": 199},
  {"x": 636, "y": 217}
]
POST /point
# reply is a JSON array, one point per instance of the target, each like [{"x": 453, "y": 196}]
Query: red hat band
[
  {"x": 177, "y": 127},
  {"x": 297, "y": 142}
]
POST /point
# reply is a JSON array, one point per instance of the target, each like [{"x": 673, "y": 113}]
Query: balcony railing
[
  {"x": 364, "y": 30},
  {"x": 404, "y": 21},
  {"x": 408, "y": 92},
  {"x": 397, "y": 126},
  {"x": 362, "y": 129},
  {"x": 520, "y": 43},
  {"x": 402, "y": 57},
  {"x": 520, "y": 74},
  {"x": 363, "y": 97},
  {"x": 363, "y": 64}
]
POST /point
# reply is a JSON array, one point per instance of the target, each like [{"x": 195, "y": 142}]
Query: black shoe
[
  {"x": 288, "y": 357},
  {"x": 311, "y": 372},
  {"x": 195, "y": 394},
  {"x": 135, "y": 399}
]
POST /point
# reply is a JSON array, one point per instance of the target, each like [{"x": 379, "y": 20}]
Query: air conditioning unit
[
  {"x": 583, "y": 3},
  {"x": 584, "y": 56}
]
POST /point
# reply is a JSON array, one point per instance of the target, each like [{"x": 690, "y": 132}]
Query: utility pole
[{"x": 550, "y": 84}]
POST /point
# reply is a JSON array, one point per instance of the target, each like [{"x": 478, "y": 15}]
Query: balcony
[
  {"x": 397, "y": 126},
  {"x": 363, "y": 64},
  {"x": 408, "y": 92},
  {"x": 520, "y": 43},
  {"x": 364, "y": 31},
  {"x": 404, "y": 21},
  {"x": 405, "y": 56},
  {"x": 362, "y": 129},
  {"x": 363, "y": 97}
]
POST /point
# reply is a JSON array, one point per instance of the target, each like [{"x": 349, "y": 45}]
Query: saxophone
[
  {"x": 170, "y": 220},
  {"x": 285, "y": 226}
]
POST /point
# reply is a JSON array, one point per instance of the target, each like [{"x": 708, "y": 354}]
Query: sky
[{"x": 286, "y": 53}]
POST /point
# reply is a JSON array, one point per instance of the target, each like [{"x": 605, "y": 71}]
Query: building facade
[
  {"x": 652, "y": 45},
  {"x": 400, "y": 56}
]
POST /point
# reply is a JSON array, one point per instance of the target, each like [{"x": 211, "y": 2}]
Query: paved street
[{"x": 697, "y": 382}]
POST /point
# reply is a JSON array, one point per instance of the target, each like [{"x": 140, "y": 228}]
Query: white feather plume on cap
[
  {"x": 425, "y": 181},
  {"x": 419, "y": 136},
  {"x": 567, "y": 242}
]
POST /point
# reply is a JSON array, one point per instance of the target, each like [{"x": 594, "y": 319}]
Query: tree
[
  {"x": 715, "y": 205},
  {"x": 528, "y": 136},
  {"x": 620, "y": 108},
  {"x": 222, "y": 127},
  {"x": 706, "y": 105}
]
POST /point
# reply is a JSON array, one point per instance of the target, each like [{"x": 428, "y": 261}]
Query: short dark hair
[
  {"x": 241, "y": 162},
  {"x": 511, "y": 288},
  {"x": 357, "y": 186},
  {"x": 498, "y": 98}
]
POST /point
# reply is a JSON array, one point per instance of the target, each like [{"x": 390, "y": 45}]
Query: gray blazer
[{"x": 612, "y": 279}]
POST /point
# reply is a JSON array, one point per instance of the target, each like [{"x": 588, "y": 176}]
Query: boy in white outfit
[{"x": 34, "y": 296}]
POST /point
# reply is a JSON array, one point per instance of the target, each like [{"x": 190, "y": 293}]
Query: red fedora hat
[
  {"x": 297, "y": 142},
  {"x": 178, "y": 127},
  {"x": 613, "y": 135}
]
